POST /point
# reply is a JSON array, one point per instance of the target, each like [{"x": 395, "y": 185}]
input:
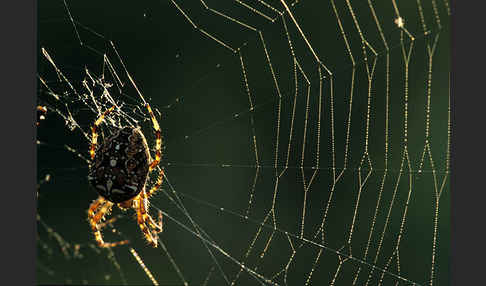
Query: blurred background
[{"x": 279, "y": 169}]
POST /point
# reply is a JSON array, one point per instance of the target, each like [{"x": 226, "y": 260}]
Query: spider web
[{"x": 304, "y": 143}]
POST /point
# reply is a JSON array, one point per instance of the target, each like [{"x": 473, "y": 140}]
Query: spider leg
[
  {"x": 108, "y": 222},
  {"x": 157, "y": 184},
  {"x": 160, "y": 226},
  {"x": 157, "y": 227},
  {"x": 97, "y": 210},
  {"x": 94, "y": 207},
  {"x": 143, "y": 218},
  {"x": 158, "y": 139},
  {"x": 94, "y": 136}
]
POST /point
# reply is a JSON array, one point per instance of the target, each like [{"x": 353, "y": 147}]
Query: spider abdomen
[{"x": 120, "y": 166}]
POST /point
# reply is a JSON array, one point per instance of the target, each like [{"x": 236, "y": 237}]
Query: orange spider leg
[
  {"x": 94, "y": 136},
  {"x": 157, "y": 184},
  {"x": 157, "y": 226},
  {"x": 158, "y": 139},
  {"x": 95, "y": 217},
  {"x": 143, "y": 218},
  {"x": 158, "y": 155},
  {"x": 94, "y": 206},
  {"x": 160, "y": 225},
  {"x": 108, "y": 222}
]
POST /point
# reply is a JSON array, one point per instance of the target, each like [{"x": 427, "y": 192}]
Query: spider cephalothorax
[{"x": 118, "y": 171}]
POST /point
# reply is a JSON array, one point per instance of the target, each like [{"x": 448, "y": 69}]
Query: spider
[{"x": 118, "y": 171}]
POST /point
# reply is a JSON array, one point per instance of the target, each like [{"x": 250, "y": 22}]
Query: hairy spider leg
[
  {"x": 158, "y": 139},
  {"x": 158, "y": 154},
  {"x": 158, "y": 227},
  {"x": 94, "y": 136},
  {"x": 157, "y": 184},
  {"x": 94, "y": 207},
  {"x": 95, "y": 216},
  {"x": 143, "y": 218},
  {"x": 108, "y": 222}
]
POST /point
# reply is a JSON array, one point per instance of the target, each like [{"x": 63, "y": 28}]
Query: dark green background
[{"x": 197, "y": 86}]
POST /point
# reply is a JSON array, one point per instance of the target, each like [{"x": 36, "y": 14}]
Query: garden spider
[{"x": 118, "y": 171}]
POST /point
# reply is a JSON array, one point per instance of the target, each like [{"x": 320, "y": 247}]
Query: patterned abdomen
[{"x": 120, "y": 166}]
